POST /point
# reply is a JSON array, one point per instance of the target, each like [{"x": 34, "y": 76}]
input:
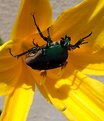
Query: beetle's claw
[
  {"x": 78, "y": 43},
  {"x": 84, "y": 43},
  {"x": 12, "y": 54},
  {"x": 83, "y": 39},
  {"x": 87, "y": 36},
  {"x": 35, "y": 44},
  {"x": 43, "y": 74}
]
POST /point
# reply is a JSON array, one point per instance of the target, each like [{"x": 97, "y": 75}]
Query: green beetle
[{"x": 51, "y": 55}]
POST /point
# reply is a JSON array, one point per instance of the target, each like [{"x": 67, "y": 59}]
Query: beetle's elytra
[{"x": 50, "y": 55}]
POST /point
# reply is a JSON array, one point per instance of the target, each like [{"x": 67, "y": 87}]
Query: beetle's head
[{"x": 65, "y": 41}]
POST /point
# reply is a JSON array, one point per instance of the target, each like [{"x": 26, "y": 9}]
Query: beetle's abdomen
[{"x": 48, "y": 58}]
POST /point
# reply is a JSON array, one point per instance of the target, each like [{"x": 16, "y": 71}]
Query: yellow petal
[
  {"x": 11, "y": 70},
  {"x": 79, "y": 21},
  {"x": 17, "y": 104},
  {"x": 78, "y": 97},
  {"x": 8, "y": 69},
  {"x": 24, "y": 25},
  {"x": 89, "y": 63}
]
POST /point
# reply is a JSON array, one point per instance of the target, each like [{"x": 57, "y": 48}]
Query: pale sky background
[{"x": 40, "y": 110}]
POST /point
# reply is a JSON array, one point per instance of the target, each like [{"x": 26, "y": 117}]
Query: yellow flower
[{"x": 77, "y": 96}]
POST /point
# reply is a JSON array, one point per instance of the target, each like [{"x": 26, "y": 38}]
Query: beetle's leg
[
  {"x": 78, "y": 43},
  {"x": 39, "y": 31},
  {"x": 62, "y": 69},
  {"x": 43, "y": 74},
  {"x": 81, "y": 41},
  {"x": 49, "y": 41},
  {"x": 48, "y": 32},
  {"x": 32, "y": 50},
  {"x": 35, "y": 44},
  {"x": 49, "y": 37},
  {"x": 17, "y": 56},
  {"x": 64, "y": 65}
]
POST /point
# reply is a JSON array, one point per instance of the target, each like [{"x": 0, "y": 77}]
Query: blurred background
[{"x": 40, "y": 110}]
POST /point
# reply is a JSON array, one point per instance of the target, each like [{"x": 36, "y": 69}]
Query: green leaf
[
  {"x": 0, "y": 112},
  {"x": 1, "y": 41}
]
